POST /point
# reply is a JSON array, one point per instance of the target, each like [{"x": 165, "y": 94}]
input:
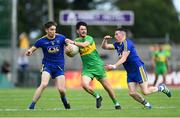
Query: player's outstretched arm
[
  {"x": 30, "y": 51},
  {"x": 125, "y": 54},
  {"x": 69, "y": 41},
  {"x": 80, "y": 44},
  {"x": 105, "y": 44}
]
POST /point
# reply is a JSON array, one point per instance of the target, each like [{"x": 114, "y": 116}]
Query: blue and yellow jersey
[
  {"x": 89, "y": 54},
  {"x": 133, "y": 61},
  {"x": 53, "y": 50}
]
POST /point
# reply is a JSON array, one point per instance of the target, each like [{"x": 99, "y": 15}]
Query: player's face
[
  {"x": 120, "y": 36},
  {"x": 82, "y": 31},
  {"x": 160, "y": 47},
  {"x": 51, "y": 31}
]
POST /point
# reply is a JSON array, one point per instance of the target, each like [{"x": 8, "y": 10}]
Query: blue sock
[
  {"x": 63, "y": 99},
  {"x": 65, "y": 103},
  {"x": 32, "y": 105}
]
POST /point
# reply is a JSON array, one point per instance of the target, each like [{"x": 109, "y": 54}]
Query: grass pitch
[{"x": 15, "y": 102}]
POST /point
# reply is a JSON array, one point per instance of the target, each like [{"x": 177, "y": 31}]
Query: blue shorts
[
  {"x": 137, "y": 76},
  {"x": 54, "y": 71}
]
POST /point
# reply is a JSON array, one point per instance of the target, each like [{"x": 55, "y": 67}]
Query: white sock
[
  {"x": 117, "y": 104},
  {"x": 147, "y": 104},
  {"x": 98, "y": 96}
]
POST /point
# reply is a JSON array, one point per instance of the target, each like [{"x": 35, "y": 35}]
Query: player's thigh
[
  {"x": 105, "y": 83},
  {"x": 132, "y": 86},
  {"x": 144, "y": 86},
  {"x": 161, "y": 70},
  {"x": 164, "y": 70},
  {"x": 60, "y": 81},
  {"x": 45, "y": 77},
  {"x": 85, "y": 80}
]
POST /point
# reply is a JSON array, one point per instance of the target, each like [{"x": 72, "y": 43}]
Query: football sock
[
  {"x": 96, "y": 95},
  {"x": 63, "y": 99},
  {"x": 115, "y": 101},
  {"x": 144, "y": 102}
]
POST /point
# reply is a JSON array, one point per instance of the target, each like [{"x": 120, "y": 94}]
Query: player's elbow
[
  {"x": 84, "y": 46},
  {"x": 104, "y": 47}
]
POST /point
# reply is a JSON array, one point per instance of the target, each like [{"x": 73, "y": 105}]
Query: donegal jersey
[
  {"x": 160, "y": 62},
  {"x": 160, "y": 58},
  {"x": 92, "y": 63},
  {"x": 53, "y": 50}
]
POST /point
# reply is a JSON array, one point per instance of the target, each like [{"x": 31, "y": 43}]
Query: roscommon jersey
[
  {"x": 53, "y": 50},
  {"x": 133, "y": 61}
]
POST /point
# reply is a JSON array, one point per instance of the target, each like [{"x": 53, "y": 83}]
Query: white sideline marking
[{"x": 84, "y": 108}]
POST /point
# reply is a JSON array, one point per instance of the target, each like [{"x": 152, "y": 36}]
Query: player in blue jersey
[
  {"x": 136, "y": 72},
  {"x": 52, "y": 45}
]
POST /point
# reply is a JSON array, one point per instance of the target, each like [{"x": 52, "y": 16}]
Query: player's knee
[
  {"x": 132, "y": 93},
  {"x": 83, "y": 84},
  {"x": 145, "y": 92},
  {"x": 44, "y": 85},
  {"x": 61, "y": 90}
]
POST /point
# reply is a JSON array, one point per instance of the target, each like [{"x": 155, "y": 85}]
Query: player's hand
[
  {"x": 68, "y": 49},
  {"x": 28, "y": 53},
  {"x": 110, "y": 67},
  {"x": 69, "y": 41},
  {"x": 107, "y": 37}
]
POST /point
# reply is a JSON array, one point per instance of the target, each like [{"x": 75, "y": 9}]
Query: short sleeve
[
  {"x": 38, "y": 43},
  {"x": 115, "y": 45},
  {"x": 127, "y": 45},
  {"x": 63, "y": 38},
  {"x": 89, "y": 39}
]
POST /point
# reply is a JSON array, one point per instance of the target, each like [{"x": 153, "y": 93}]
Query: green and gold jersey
[
  {"x": 89, "y": 54},
  {"x": 160, "y": 58}
]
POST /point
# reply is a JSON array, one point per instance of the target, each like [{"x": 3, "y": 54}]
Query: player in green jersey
[
  {"x": 160, "y": 64},
  {"x": 93, "y": 66}
]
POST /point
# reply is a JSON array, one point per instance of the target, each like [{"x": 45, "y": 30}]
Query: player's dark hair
[
  {"x": 78, "y": 24},
  {"x": 121, "y": 29},
  {"x": 49, "y": 24}
]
